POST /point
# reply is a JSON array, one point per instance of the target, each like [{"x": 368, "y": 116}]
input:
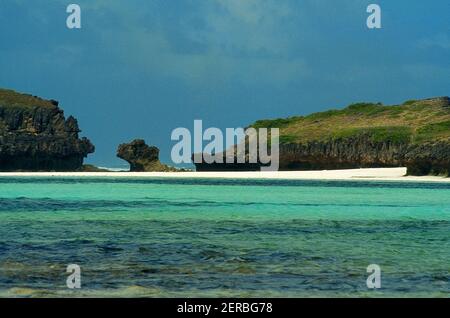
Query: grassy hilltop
[
  {"x": 412, "y": 122},
  {"x": 13, "y": 99}
]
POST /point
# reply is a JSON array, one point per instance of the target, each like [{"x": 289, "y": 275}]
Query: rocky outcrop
[
  {"x": 141, "y": 157},
  {"x": 35, "y": 136},
  {"x": 431, "y": 158},
  {"x": 420, "y": 139},
  {"x": 352, "y": 153},
  {"x": 361, "y": 152}
]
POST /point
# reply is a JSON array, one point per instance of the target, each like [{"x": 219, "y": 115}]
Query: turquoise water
[{"x": 188, "y": 238}]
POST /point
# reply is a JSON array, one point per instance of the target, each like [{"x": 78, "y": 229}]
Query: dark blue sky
[{"x": 143, "y": 68}]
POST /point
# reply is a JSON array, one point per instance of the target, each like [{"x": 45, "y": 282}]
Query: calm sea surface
[{"x": 188, "y": 238}]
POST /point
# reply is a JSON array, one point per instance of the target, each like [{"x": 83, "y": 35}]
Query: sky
[{"x": 141, "y": 68}]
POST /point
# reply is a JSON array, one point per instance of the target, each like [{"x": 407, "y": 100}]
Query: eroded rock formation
[
  {"x": 35, "y": 136},
  {"x": 141, "y": 157}
]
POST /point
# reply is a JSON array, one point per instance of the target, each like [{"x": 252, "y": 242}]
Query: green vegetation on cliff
[
  {"x": 12, "y": 99},
  {"x": 413, "y": 122}
]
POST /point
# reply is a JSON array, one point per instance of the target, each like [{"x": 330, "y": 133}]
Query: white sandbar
[{"x": 378, "y": 174}]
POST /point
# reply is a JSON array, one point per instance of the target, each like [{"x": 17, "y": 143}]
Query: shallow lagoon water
[{"x": 211, "y": 237}]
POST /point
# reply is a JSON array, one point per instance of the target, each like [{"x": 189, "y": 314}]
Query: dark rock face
[
  {"x": 204, "y": 165},
  {"x": 430, "y": 158},
  {"x": 141, "y": 157},
  {"x": 352, "y": 153},
  {"x": 235, "y": 167},
  {"x": 357, "y": 152},
  {"x": 35, "y": 136}
]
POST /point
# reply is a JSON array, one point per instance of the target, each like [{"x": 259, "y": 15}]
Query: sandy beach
[{"x": 376, "y": 174}]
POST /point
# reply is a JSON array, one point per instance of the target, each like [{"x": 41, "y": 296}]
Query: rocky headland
[
  {"x": 415, "y": 134},
  {"x": 35, "y": 135}
]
